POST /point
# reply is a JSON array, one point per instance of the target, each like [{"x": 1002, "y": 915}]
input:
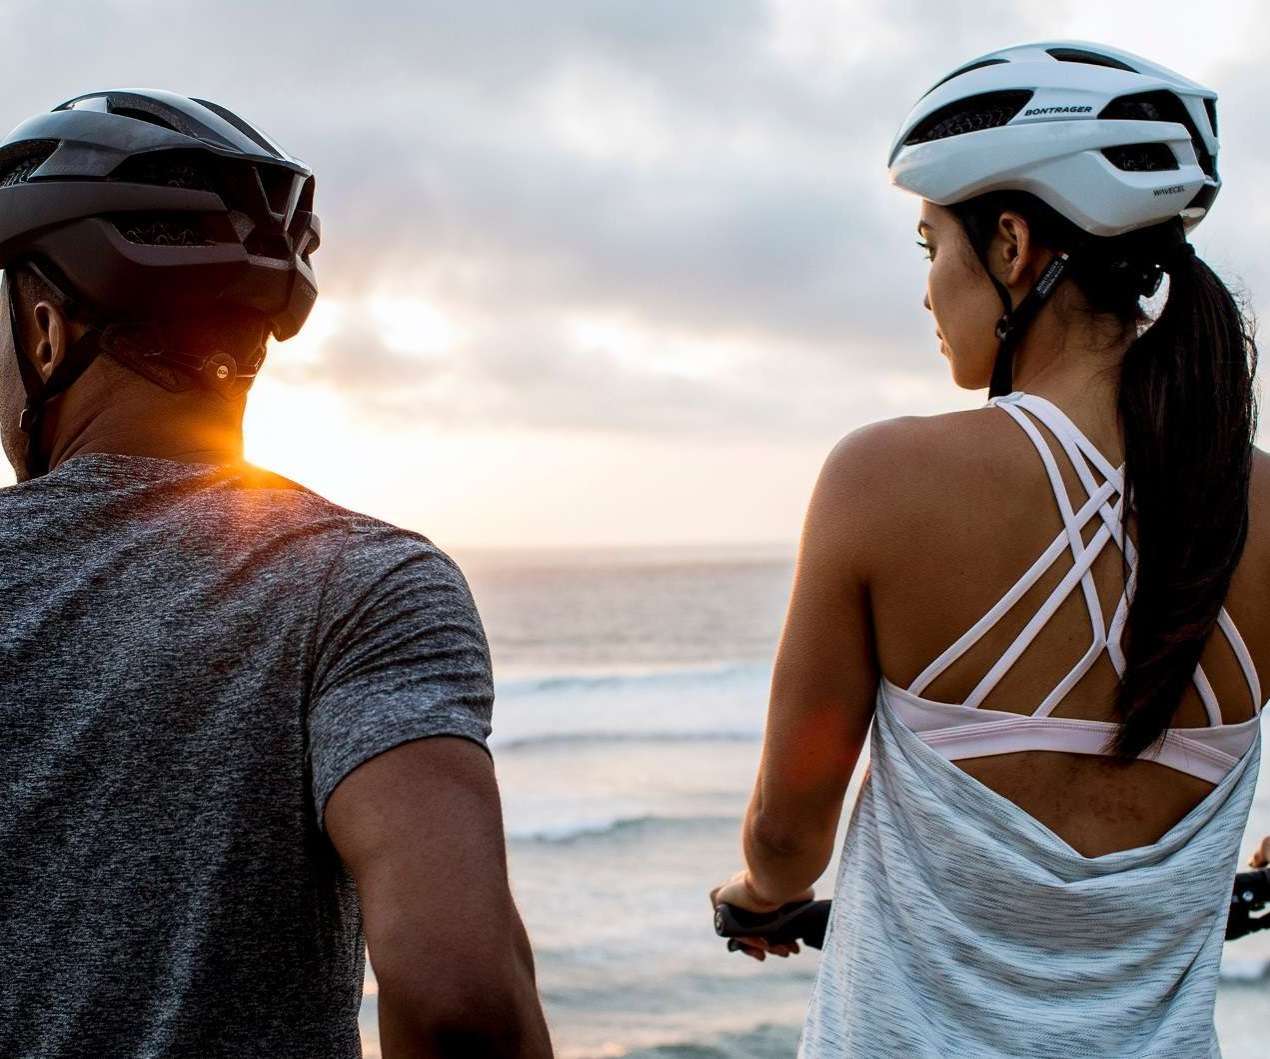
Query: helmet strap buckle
[{"x": 220, "y": 372}]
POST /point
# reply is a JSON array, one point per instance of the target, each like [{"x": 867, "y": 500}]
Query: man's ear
[
  {"x": 52, "y": 333},
  {"x": 49, "y": 335}
]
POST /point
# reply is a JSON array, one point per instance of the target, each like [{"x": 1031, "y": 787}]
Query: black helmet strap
[
  {"x": 144, "y": 347},
  {"x": 79, "y": 355},
  {"x": 1015, "y": 320}
]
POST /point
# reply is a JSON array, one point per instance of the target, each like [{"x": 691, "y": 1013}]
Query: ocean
[{"x": 632, "y": 687}]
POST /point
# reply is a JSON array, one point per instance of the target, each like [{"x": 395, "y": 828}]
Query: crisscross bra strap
[{"x": 1082, "y": 453}]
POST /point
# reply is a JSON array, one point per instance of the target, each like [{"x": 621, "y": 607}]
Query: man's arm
[{"x": 420, "y": 830}]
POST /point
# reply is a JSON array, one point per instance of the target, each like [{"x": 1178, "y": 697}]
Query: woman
[{"x": 1062, "y": 698}]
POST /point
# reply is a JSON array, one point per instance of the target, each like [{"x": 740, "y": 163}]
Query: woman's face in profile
[{"x": 960, "y": 296}]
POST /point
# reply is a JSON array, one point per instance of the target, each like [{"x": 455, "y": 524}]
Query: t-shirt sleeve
[{"x": 400, "y": 654}]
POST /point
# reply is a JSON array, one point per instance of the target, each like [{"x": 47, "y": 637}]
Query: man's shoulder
[
  {"x": 283, "y": 496},
  {"x": 370, "y": 546},
  {"x": 276, "y": 505}
]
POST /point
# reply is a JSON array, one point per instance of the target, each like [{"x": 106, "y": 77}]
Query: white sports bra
[{"x": 962, "y": 730}]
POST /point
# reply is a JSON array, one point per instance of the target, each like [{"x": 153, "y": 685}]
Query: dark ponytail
[
  {"x": 1190, "y": 418},
  {"x": 1188, "y": 410}
]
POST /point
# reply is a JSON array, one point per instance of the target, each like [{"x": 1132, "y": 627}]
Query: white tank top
[{"x": 962, "y": 926}]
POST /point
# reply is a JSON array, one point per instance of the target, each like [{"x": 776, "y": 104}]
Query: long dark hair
[{"x": 1189, "y": 414}]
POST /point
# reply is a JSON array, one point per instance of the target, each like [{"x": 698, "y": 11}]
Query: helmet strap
[
  {"x": 79, "y": 355},
  {"x": 145, "y": 349},
  {"x": 1015, "y": 320},
  {"x": 1003, "y": 367},
  {"x": 39, "y": 391}
]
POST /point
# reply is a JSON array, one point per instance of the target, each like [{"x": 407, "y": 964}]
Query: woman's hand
[
  {"x": 1261, "y": 855},
  {"x": 739, "y": 891}
]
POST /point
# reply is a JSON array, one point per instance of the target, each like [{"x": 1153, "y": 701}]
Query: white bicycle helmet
[{"x": 1109, "y": 140}]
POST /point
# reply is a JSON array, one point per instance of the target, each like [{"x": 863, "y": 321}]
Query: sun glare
[{"x": 301, "y": 432}]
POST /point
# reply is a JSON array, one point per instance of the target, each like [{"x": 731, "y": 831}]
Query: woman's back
[
  {"x": 1051, "y": 902},
  {"x": 974, "y": 510}
]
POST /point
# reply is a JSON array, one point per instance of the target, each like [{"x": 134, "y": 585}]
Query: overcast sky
[{"x": 617, "y": 271}]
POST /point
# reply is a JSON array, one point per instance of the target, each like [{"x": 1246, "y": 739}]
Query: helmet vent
[
  {"x": 306, "y": 197},
  {"x": 17, "y": 166},
  {"x": 276, "y": 183},
  {"x": 144, "y": 115},
  {"x": 964, "y": 70},
  {"x": 266, "y": 243},
  {"x": 1141, "y": 157},
  {"x": 972, "y": 114},
  {"x": 169, "y": 169},
  {"x": 1210, "y": 105},
  {"x": 157, "y": 229},
  {"x": 1091, "y": 58},
  {"x": 1160, "y": 106},
  {"x": 254, "y": 135}
]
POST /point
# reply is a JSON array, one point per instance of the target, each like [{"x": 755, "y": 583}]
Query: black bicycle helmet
[{"x": 93, "y": 189}]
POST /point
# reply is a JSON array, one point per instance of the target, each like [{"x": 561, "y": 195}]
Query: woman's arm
[{"x": 825, "y": 677}]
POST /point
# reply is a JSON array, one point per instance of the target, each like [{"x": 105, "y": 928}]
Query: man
[{"x": 244, "y": 727}]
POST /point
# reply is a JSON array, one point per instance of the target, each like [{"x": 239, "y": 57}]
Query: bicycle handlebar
[
  {"x": 1252, "y": 894},
  {"x": 807, "y": 921},
  {"x": 804, "y": 921}
]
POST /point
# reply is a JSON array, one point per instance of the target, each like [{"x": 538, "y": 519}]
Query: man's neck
[{"x": 184, "y": 449}]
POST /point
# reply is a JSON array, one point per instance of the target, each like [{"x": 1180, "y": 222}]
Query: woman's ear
[{"x": 1014, "y": 247}]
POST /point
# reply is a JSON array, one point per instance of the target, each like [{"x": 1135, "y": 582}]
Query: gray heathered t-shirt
[{"x": 191, "y": 658}]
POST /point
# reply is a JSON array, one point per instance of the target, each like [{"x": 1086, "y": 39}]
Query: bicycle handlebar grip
[
  {"x": 1251, "y": 894},
  {"x": 804, "y": 921},
  {"x": 1253, "y": 887}
]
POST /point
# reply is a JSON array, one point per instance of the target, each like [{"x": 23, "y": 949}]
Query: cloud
[
  {"x": 709, "y": 173},
  {"x": 589, "y": 374}
]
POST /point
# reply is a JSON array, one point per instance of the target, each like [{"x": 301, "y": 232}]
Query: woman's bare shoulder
[
  {"x": 888, "y": 476},
  {"x": 873, "y": 466},
  {"x": 915, "y": 457},
  {"x": 911, "y": 439}
]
